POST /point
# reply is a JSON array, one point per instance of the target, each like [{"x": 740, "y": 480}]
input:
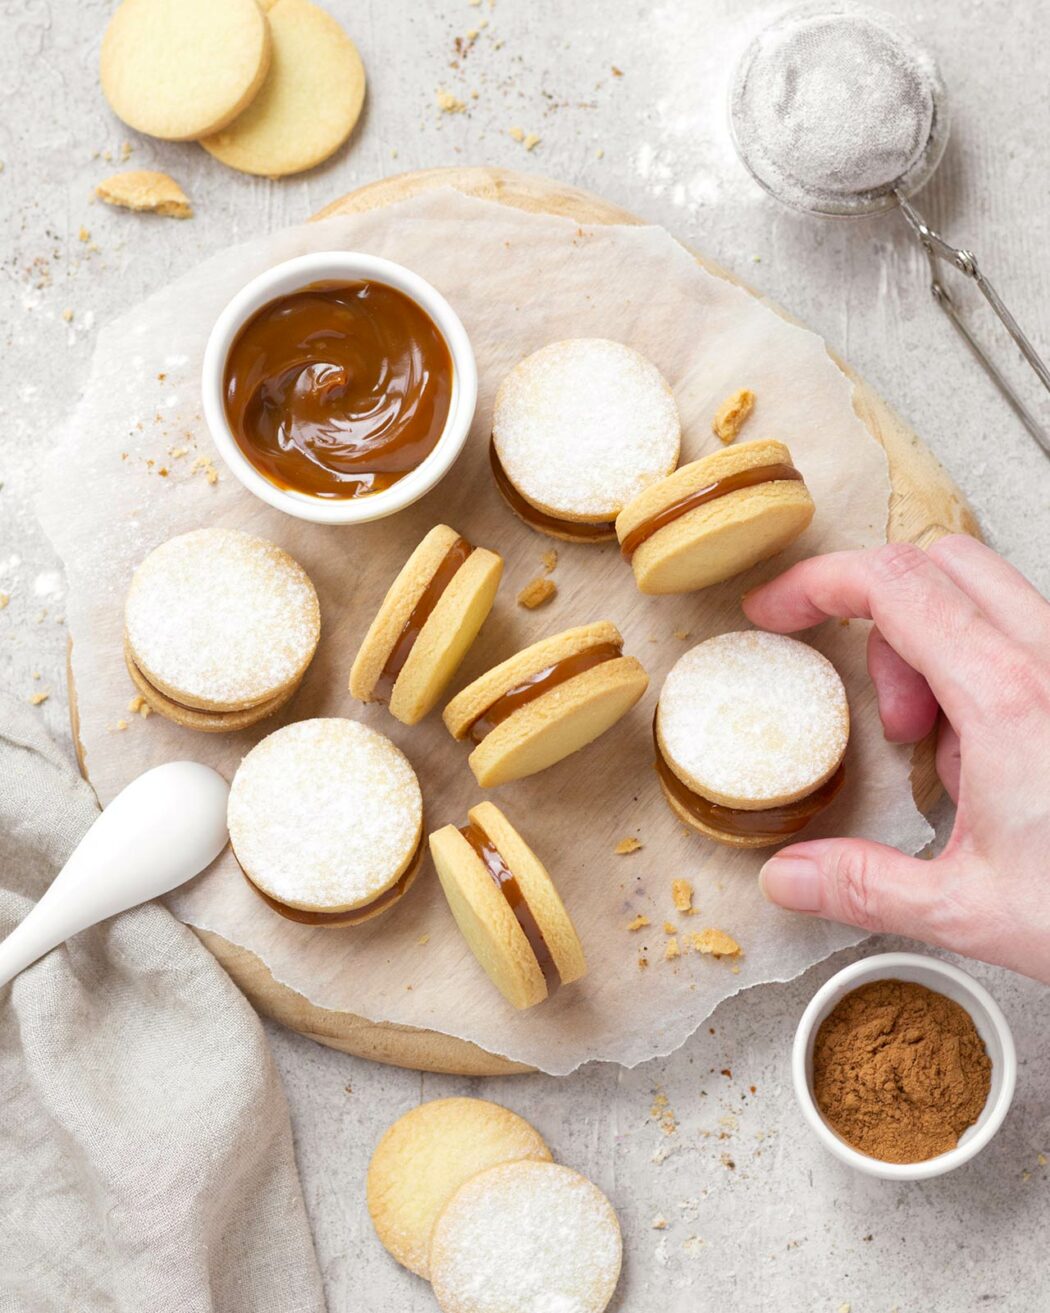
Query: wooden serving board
[{"x": 924, "y": 505}]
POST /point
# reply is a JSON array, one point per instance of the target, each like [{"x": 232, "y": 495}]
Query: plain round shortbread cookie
[
  {"x": 583, "y": 426},
  {"x": 309, "y": 103},
  {"x": 325, "y": 814},
  {"x": 753, "y": 720},
  {"x": 423, "y": 1159},
  {"x": 179, "y": 69},
  {"x": 220, "y": 620},
  {"x": 526, "y": 1237}
]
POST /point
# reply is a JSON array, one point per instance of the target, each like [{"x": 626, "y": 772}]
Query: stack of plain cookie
[{"x": 271, "y": 88}]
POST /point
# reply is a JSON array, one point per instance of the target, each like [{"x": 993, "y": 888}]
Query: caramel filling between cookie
[
  {"x": 350, "y": 915},
  {"x": 752, "y": 478},
  {"x": 506, "y": 882},
  {"x": 537, "y": 519},
  {"x": 543, "y": 681},
  {"x": 768, "y": 823},
  {"x": 421, "y": 613}
]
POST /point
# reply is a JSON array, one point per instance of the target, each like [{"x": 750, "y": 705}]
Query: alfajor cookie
[
  {"x": 326, "y": 822},
  {"x": 308, "y": 105},
  {"x": 219, "y": 628},
  {"x": 423, "y": 1159},
  {"x": 548, "y": 701},
  {"x": 579, "y": 429},
  {"x": 750, "y": 733},
  {"x": 507, "y": 907},
  {"x": 526, "y": 1235},
  {"x": 714, "y": 517},
  {"x": 426, "y": 624},
  {"x": 179, "y": 69}
]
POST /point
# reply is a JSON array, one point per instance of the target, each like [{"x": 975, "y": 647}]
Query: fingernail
[{"x": 792, "y": 882}]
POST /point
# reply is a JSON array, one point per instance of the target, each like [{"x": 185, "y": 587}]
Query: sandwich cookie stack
[
  {"x": 751, "y": 729},
  {"x": 546, "y": 702},
  {"x": 326, "y": 822},
  {"x": 426, "y": 624},
  {"x": 219, "y": 628},
  {"x": 507, "y": 907},
  {"x": 713, "y": 518},
  {"x": 579, "y": 429}
]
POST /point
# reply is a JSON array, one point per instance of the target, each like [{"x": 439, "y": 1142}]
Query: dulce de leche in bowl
[{"x": 339, "y": 387}]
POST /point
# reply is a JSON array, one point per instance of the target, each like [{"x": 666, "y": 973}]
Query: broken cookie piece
[
  {"x": 732, "y": 415},
  {"x": 145, "y": 190}
]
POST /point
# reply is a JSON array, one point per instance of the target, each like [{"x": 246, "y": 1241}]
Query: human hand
[{"x": 961, "y": 637}]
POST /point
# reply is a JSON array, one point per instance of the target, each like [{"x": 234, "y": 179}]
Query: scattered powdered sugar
[
  {"x": 324, "y": 813},
  {"x": 584, "y": 425},
  {"x": 834, "y": 103},
  {"x": 532, "y": 1237},
  {"x": 754, "y": 716},
  {"x": 222, "y": 616}
]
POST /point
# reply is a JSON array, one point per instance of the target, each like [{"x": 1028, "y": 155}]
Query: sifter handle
[{"x": 937, "y": 249}]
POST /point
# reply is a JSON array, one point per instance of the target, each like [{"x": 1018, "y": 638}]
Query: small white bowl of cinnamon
[{"x": 904, "y": 1066}]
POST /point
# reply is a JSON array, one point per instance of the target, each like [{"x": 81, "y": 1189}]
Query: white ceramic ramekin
[
  {"x": 954, "y": 984},
  {"x": 341, "y": 266}
]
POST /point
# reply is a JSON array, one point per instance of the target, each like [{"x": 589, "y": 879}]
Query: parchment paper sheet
[{"x": 518, "y": 281}]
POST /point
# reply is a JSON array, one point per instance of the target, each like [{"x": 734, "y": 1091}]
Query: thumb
[{"x": 858, "y": 882}]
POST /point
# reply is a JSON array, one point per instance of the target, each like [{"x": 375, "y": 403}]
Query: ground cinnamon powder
[{"x": 900, "y": 1071}]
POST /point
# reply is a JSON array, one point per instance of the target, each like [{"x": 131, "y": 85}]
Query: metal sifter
[{"x": 836, "y": 110}]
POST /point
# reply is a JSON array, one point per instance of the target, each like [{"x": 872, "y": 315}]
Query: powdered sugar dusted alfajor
[
  {"x": 582, "y": 426},
  {"x": 753, "y": 719},
  {"x": 219, "y": 619},
  {"x": 526, "y": 1237},
  {"x": 325, "y": 814}
]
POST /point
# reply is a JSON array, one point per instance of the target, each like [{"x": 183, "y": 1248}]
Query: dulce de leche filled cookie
[
  {"x": 219, "y": 628},
  {"x": 579, "y": 429},
  {"x": 326, "y": 821},
  {"x": 427, "y": 622},
  {"x": 507, "y": 907},
  {"x": 750, "y": 732},
  {"x": 714, "y": 517},
  {"x": 546, "y": 702}
]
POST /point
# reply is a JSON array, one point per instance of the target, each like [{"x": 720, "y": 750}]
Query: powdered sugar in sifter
[{"x": 836, "y": 110}]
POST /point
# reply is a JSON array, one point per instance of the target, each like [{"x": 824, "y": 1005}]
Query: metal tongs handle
[{"x": 937, "y": 249}]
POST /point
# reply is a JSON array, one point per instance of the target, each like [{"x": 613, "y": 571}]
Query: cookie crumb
[
  {"x": 67, "y": 314},
  {"x": 146, "y": 191},
  {"x": 639, "y": 922},
  {"x": 538, "y": 592},
  {"x": 448, "y": 103},
  {"x": 659, "y": 1223},
  {"x": 670, "y": 929},
  {"x": 35, "y": 699},
  {"x": 625, "y": 846},
  {"x": 643, "y": 962},
  {"x": 4, "y": 599},
  {"x": 671, "y": 949},
  {"x": 1041, "y": 1160},
  {"x": 518, "y": 134},
  {"x": 531, "y": 141},
  {"x": 681, "y": 634},
  {"x": 138, "y": 706},
  {"x": 682, "y": 895},
  {"x": 203, "y": 464},
  {"x": 549, "y": 559},
  {"x": 83, "y": 235},
  {"x": 732, "y": 415},
  {"x": 715, "y": 942},
  {"x": 122, "y": 724},
  {"x": 423, "y": 939}
]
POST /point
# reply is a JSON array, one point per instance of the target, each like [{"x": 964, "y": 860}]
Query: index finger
[{"x": 920, "y": 611}]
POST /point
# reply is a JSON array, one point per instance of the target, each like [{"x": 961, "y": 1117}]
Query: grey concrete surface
[{"x": 758, "y": 1217}]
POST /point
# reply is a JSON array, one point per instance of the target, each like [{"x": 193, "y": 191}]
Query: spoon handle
[{"x": 159, "y": 832}]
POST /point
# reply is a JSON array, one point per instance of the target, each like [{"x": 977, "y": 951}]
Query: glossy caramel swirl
[{"x": 338, "y": 390}]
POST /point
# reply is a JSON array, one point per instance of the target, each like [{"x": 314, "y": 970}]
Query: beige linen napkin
[{"x": 145, "y": 1151}]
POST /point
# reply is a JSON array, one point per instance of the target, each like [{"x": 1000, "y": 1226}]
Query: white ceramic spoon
[{"x": 159, "y": 832}]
